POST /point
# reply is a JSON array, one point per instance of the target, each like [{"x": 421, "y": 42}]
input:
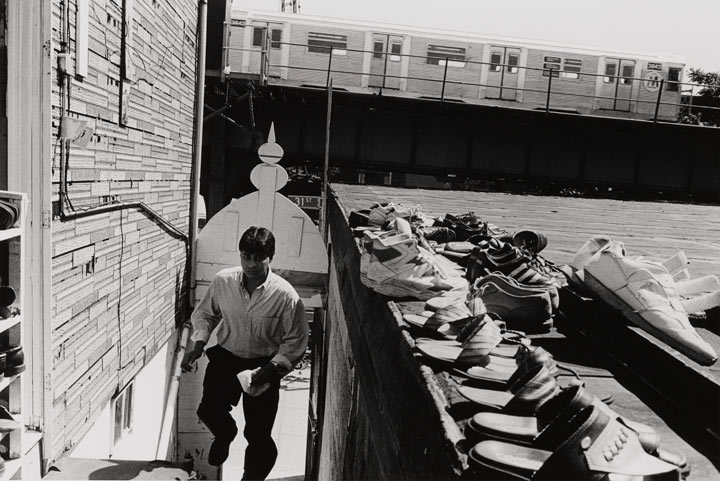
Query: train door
[
  {"x": 617, "y": 84},
  {"x": 386, "y": 61},
  {"x": 264, "y": 49},
  {"x": 502, "y": 79}
]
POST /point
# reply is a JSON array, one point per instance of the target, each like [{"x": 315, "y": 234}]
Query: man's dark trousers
[{"x": 222, "y": 391}]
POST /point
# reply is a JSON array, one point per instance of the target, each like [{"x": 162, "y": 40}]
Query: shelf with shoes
[{"x": 13, "y": 207}]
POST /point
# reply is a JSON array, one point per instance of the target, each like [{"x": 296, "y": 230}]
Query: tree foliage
[{"x": 705, "y": 108}]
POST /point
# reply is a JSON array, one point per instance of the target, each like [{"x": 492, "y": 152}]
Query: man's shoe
[
  {"x": 517, "y": 288},
  {"x": 531, "y": 312},
  {"x": 394, "y": 265},
  {"x": 14, "y": 360},
  {"x": 497, "y": 256},
  {"x": 645, "y": 292},
  {"x": 219, "y": 451}
]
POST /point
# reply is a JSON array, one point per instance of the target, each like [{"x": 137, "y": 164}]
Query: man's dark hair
[{"x": 258, "y": 240}]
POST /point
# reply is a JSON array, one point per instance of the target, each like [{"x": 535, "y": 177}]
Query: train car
[{"x": 304, "y": 50}]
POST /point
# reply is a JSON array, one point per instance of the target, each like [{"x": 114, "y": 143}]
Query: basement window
[
  {"x": 123, "y": 408},
  {"x": 439, "y": 55},
  {"x": 326, "y": 42}
]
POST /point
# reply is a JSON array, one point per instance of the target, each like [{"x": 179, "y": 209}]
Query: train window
[
  {"x": 327, "y": 42},
  {"x": 276, "y": 38},
  {"x": 439, "y": 55},
  {"x": 627, "y": 74},
  {"x": 572, "y": 68},
  {"x": 512, "y": 61},
  {"x": 378, "y": 50},
  {"x": 610, "y": 71},
  {"x": 495, "y": 62},
  {"x": 258, "y": 36},
  {"x": 551, "y": 66},
  {"x": 673, "y": 79},
  {"x": 395, "y": 49}
]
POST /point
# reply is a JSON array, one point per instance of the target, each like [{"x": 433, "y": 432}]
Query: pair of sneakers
[
  {"x": 522, "y": 307},
  {"x": 646, "y": 293},
  {"x": 494, "y": 255},
  {"x": 393, "y": 264}
]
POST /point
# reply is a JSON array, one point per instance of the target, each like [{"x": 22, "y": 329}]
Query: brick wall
[{"x": 118, "y": 276}]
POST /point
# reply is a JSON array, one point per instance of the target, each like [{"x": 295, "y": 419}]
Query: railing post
[
  {"x": 657, "y": 103},
  {"x": 547, "y": 101},
  {"x": 327, "y": 80},
  {"x": 442, "y": 93},
  {"x": 387, "y": 44}
]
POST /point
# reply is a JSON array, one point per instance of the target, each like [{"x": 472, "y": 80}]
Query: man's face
[{"x": 254, "y": 266}]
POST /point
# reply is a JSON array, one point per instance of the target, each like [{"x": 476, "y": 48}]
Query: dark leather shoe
[
  {"x": 15, "y": 360},
  {"x": 219, "y": 451}
]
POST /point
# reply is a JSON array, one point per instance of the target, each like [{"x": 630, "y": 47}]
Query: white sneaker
[
  {"x": 648, "y": 290},
  {"x": 588, "y": 249},
  {"x": 396, "y": 266}
]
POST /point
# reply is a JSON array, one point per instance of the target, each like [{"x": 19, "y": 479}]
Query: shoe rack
[{"x": 12, "y": 279}]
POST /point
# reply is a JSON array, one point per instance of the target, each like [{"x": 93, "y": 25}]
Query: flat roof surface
[{"x": 653, "y": 229}]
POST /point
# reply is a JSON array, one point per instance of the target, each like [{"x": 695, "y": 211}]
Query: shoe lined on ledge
[{"x": 645, "y": 292}]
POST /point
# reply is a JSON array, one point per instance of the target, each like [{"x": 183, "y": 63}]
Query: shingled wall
[{"x": 117, "y": 277}]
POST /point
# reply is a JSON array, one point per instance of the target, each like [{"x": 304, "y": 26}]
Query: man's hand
[
  {"x": 191, "y": 357},
  {"x": 246, "y": 382}
]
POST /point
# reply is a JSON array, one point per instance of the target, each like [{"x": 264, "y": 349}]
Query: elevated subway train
[{"x": 301, "y": 50}]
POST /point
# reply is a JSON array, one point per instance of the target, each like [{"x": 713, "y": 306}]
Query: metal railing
[{"x": 676, "y": 104}]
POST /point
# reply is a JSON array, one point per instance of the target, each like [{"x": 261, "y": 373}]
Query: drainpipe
[
  {"x": 172, "y": 398},
  {"x": 197, "y": 141}
]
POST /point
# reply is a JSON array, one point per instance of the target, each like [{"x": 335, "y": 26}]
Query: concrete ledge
[{"x": 692, "y": 389}]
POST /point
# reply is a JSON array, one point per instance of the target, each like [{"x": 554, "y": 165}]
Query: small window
[
  {"x": 439, "y": 55},
  {"x": 610, "y": 72},
  {"x": 258, "y": 33},
  {"x": 513, "y": 61},
  {"x": 551, "y": 66},
  {"x": 327, "y": 42},
  {"x": 276, "y": 38},
  {"x": 395, "y": 50},
  {"x": 572, "y": 68},
  {"x": 673, "y": 79},
  {"x": 123, "y": 414},
  {"x": 378, "y": 50},
  {"x": 627, "y": 74},
  {"x": 495, "y": 62}
]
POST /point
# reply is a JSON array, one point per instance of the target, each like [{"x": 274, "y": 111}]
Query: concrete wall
[
  {"x": 381, "y": 419},
  {"x": 117, "y": 277},
  {"x": 149, "y": 387}
]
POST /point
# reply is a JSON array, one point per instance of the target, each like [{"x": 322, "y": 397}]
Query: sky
[{"x": 687, "y": 28}]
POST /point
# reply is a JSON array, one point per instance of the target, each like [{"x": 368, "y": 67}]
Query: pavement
[{"x": 289, "y": 432}]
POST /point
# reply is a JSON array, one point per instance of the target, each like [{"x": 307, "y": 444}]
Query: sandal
[
  {"x": 525, "y": 395},
  {"x": 595, "y": 446},
  {"x": 478, "y": 345}
]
